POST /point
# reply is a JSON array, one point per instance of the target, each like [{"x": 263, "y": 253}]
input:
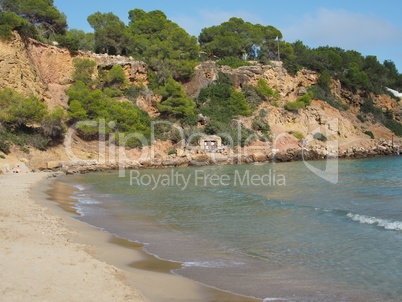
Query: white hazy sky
[{"x": 370, "y": 27}]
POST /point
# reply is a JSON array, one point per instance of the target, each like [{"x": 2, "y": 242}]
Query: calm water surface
[{"x": 274, "y": 231}]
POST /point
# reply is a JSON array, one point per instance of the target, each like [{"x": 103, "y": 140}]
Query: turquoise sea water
[{"x": 274, "y": 231}]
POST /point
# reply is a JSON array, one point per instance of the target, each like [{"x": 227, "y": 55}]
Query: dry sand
[
  {"x": 37, "y": 260},
  {"x": 46, "y": 255}
]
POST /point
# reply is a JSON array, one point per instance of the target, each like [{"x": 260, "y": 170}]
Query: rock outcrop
[{"x": 33, "y": 68}]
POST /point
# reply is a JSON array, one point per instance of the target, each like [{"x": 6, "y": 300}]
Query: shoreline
[
  {"x": 109, "y": 267},
  {"x": 39, "y": 260},
  {"x": 386, "y": 149},
  {"x": 150, "y": 275}
]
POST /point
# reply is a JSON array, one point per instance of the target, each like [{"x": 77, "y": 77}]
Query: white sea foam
[
  {"x": 386, "y": 224},
  {"x": 80, "y": 187},
  {"x": 213, "y": 264},
  {"x": 84, "y": 199}
]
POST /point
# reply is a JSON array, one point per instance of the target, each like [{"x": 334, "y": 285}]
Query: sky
[{"x": 369, "y": 27}]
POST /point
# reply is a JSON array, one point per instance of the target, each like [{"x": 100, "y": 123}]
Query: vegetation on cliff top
[{"x": 172, "y": 54}]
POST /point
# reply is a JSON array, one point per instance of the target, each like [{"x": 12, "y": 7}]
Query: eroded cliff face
[
  {"x": 18, "y": 70},
  {"x": 34, "y": 68},
  {"x": 45, "y": 71}
]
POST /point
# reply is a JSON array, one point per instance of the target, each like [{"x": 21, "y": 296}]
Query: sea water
[{"x": 273, "y": 231}]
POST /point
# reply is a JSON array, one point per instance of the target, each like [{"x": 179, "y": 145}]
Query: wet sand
[
  {"x": 40, "y": 261},
  {"x": 150, "y": 275}
]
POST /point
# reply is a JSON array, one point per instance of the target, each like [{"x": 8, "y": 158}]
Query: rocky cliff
[{"x": 31, "y": 67}]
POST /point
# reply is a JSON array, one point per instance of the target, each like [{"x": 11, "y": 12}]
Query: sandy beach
[
  {"x": 38, "y": 260},
  {"x": 46, "y": 255}
]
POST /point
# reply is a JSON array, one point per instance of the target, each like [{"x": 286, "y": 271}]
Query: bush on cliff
[
  {"x": 98, "y": 112},
  {"x": 27, "y": 121}
]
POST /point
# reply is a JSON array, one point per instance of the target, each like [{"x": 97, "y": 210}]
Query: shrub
[
  {"x": 264, "y": 89},
  {"x": 320, "y": 137},
  {"x": 260, "y": 125},
  {"x": 295, "y": 106},
  {"x": 361, "y": 118},
  {"x": 369, "y": 133},
  {"x": 253, "y": 97},
  {"x": 220, "y": 101},
  {"x": 324, "y": 80},
  {"x": 4, "y": 147},
  {"x": 297, "y": 134},
  {"x": 263, "y": 113},
  {"x": 2, "y": 156},
  {"x": 172, "y": 151},
  {"x": 306, "y": 99},
  {"x": 233, "y": 62},
  {"x": 25, "y": 150},
  {"x": 368, "y": 107},
  {"x": 326, "y": 96},
  {"x": 84, "y": 69},
  {"x": 394, "y": 126}
]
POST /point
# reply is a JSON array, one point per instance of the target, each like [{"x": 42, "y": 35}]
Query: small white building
[{"x": 210, "y": 143}]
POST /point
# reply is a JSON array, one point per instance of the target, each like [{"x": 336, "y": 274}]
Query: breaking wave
[{"x": 384, "y": 223}]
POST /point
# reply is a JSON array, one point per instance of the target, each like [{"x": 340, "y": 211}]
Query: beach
[{"x": 46, "y": 255}]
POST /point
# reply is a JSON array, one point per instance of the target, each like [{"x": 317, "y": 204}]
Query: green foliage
[
  {"x": 291, "y": 65},
  {"x": 172, "y": 151},
  {"x": 361, "y": 118},
  {"x": 295, "y": 106},
  {"x": 306, "y": 99},
  {"x": 264, "y": 89},
  {"x": 394, "y": 126},
  {"x": 355, "y": 78},
  {"x": 237, "y": 103},
  {"x": 253, "y": 97},
  {"x": 25, "y": 111},
  {"x": 27, "y": 122},
  {"x": 111, "y": 33},
  {"x": 325, "y": 95},
  {"x": 76, "y": 111},
  {"x": 354, "y": 70},
  {"x": 230, "y": 136},
  {"x": 84, "y": 70},
  {"x": 11, "y": 21},
  {"x": 166, "y": 131},
  {"x": 233, "y": 62},
  {"x": 259, "y": 124},
  {"x": 221, "y": 101},
  {"x": 236, "y": 38},
  {"x": 368, "y": 107},
  {"x": 369, "y": 133},
  {"x": 47, "y": 19},
  {"x": 116, "y": 77},
  {"x": 132, "y": 92},
  {"x": 4, "y": 142},
  {"x": 174, "y": 102},
  {"x": 52, "y": 124},
  {"x": 297, "y": 134},
  {"x": 1, "y": 155},
  {"x": 101, "y": 113},
  {"x": 165, "y": 46},
  {"x": 75, "y": 40},
  {"x": 324, "y": 80},
  {"x": 385, "y": 117},
  {"x": 263, "y": 113},
  {"x": 319, "y": 136}
]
